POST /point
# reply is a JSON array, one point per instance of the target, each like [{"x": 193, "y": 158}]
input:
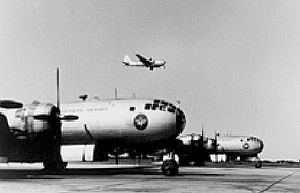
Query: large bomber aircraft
[
  {"x": 244, "y": 147},
  {"x": 144, "y": 62},
  {"x": 35, "y": 132},
  {"x": 196, "y": 148}
]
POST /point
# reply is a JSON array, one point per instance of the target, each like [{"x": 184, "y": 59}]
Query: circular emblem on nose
[
  {"x": 246, "y": 146},
  {"x": 140, "y": 122}
]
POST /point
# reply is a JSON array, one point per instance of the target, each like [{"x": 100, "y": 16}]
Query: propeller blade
[
  {"x": 202, "y": 131},
  {"x": 41, "y": 117},
  {"x": 47, "y": 117},
  {"x": 69, "y": 117},
  {"x": 57, "y": 89},
  {"x": 10, "y": 104}
]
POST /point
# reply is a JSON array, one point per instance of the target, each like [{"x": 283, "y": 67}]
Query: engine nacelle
[
  {"x": 31, "y": 121},
  {"x": 34, "y": 132}
]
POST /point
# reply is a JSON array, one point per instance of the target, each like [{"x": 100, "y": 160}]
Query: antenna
[
  {"x": 83, "y": 97},
  {"x": 202, "y": 136},
  {"x": 216, "y": 144},
  {"x": 178, "y": 102},
  {"x": 116, "y": 93},
  {"x": 57, "y": 88}
]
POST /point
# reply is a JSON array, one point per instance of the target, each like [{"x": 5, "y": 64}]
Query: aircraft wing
[{"x": 145, "y": 60}]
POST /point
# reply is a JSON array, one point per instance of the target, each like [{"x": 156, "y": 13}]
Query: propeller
[
  {"x": 54, "y": 118},
  {"x": 10, "y": 104},
  {"x": 216, "y": 145},
  {"x": 43, "y": 117}
]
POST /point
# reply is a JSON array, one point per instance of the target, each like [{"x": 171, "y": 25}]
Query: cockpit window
[
  {"x": 162, "y": 108},
  {"x": 164, "y": 103},
  {"x": 148, "y": 106},
  {"x": 171, "y": 105},
  {"x": 161, "y": 105},
  {"x": 132, "y": 108},
  {"x": 156, "y": 101},
  {"x": 155, "y": 106},
  {"x": 171, "y": 109}
]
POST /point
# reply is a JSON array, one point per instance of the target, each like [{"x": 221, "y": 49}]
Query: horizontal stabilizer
[{"x": 127, "y": 60}]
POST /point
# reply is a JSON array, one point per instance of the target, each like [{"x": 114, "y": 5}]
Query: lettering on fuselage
[
  {"x": 66, "y": 111},
  {"x": 96, "y": 109},
  {"x": 72, "y": 110}
]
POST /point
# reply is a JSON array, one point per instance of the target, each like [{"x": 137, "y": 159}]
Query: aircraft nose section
[
  {"x": 180, "y": 121},
  {"x": 261, "y": 145}
]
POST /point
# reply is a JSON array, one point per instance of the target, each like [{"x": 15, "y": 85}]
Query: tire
[{"x": 169, "y": 167}]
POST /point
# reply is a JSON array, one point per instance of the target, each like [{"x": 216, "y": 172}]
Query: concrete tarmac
[{"x": 129, "y": 178}]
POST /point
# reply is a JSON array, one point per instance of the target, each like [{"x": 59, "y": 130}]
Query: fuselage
[
  {"x": 237, "y": 145},
  {"x": 125, "y": 122},
  {"x": 231, "y": 145},
  {"x": 115, "y": 120},
  {"x": 154, "y": 64}
]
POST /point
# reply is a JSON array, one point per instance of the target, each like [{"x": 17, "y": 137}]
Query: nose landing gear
[{"x": 170, "y": 167}]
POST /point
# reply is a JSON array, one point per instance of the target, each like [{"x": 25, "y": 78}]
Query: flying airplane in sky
[
  {"x": 144, "y": 62},
  {"x": 35, "y": 132}
]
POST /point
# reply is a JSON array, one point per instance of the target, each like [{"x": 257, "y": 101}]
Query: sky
[{"x": 233, "y": 65}]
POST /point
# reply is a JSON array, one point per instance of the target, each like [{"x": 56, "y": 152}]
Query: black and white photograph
[{"x": 149, "y": 96}]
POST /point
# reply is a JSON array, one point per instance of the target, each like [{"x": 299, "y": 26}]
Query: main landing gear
[
  {"x": 258, "y": 163},
  {"x": 170, "y": 165}
]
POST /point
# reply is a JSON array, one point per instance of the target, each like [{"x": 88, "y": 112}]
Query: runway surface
[{"x": 129, "y": 178}]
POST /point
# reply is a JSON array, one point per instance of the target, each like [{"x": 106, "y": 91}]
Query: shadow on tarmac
[{"x": 81, "y": 172}]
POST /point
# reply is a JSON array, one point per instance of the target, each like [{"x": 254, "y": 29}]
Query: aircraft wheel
[
  {"x": 170, "y": 167},
  {"x": 258, "y": 164}
]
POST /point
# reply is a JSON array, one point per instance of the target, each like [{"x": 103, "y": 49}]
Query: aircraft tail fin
[{"x": 127, "y": 60}]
